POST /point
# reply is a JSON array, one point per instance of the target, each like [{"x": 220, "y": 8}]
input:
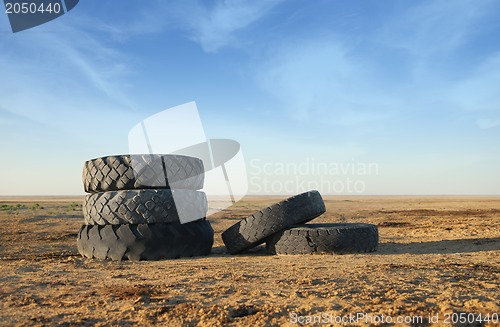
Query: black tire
[
  {"x": 144, "y": 206},
  {"x": 128, "y": 172},
  {"x": 324, "y": 238},
  {"x": 253, "y": 230},
  {"x": 146, "y": 242}
]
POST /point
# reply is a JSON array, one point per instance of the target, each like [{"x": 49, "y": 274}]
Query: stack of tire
[
  {"x": 133, "y": 209},
  {"x": 283, "y": 227}
]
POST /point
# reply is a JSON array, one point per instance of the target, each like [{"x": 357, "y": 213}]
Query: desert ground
[{"x": 438, "y": 259}]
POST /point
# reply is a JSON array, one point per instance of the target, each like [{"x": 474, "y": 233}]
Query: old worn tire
[
  {"x": 144, "y": 206},
  {"x": 254, "y": 229},
  {"x": 127, "y": 172},
  {"x": 146, "y": 241},
  {"x": 337, "y": 238}
]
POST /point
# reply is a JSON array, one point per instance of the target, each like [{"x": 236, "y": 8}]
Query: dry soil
[{"x": 438, "y": 259}]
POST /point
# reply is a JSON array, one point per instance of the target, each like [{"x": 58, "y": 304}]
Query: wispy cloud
[
  {"x": 103, "y": 67},
  {"x": 318, "y": 80},
  {"x": 211, "y": 26},
  {"x": 61, "y": 94},
  {"x": 338, "y": 81},
  {"x": 64, "y": 87},
  {"x": 9, "y": 118},
  {"x": 94, "y": 58},
  {"x": 70, "y": 60},
  {"x": 429, "y": 28}
]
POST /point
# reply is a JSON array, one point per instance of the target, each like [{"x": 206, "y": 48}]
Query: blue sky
[{"x": 412, "y": 87}]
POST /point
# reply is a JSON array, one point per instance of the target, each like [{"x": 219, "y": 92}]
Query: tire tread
[
  {"x": 146, "y": 241},
  {"x": 339, "y": 238}
]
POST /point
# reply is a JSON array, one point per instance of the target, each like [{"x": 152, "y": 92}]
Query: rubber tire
[
  {"x": 338, "y": 238},
  {"x": 253, "y": 230},
  {"x": 143, "y": 206},
  {"x": 146, "y": 242},
  {"x": 113, "y": 173}
]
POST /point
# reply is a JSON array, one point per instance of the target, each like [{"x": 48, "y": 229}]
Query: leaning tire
[
  {"x": 127, "y": 172},
  {"x": 254, "y": 229},
  {"x": 146, "y": 242},
  {"x": 324, "y": 238},
  {"x": 144, "y": 207}
]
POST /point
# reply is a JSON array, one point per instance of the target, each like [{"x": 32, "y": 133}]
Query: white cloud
[
  {"x": 61, "y": 101},
  {"x": 60, "y": 64},
  {"x": 318, "y": 80},
  {"x": 337, "y": 81},
  {"x": 432, "y": 27},
  {"x": 211, "y": 26},
  {"x": 9, "y": 118},
  {"x": 214, "y": 28}
]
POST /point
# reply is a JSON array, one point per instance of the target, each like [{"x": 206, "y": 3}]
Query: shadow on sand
[
  {"x": 441, "y": 247},
  {"x": 435, "y": 247}
]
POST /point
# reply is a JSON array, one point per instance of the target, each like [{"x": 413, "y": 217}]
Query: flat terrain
[{"x": 437, "y": 256}]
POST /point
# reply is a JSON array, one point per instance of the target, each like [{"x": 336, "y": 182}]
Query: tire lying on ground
[
  {"x": 140, "y": 171},
  {"x": 253, "y": 230},
  {"x": 146, "y": 241},
  {"x": 337, "y": 238},
  {"x": 144, "y": 206}
]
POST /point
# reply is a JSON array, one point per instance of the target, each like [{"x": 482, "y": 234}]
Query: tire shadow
[
  {"x": 441, "y": 247},
  {"x": 221, "y": 251}
]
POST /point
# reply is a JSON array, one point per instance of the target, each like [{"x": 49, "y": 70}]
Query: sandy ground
[{"x": 439, "y": 257}]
